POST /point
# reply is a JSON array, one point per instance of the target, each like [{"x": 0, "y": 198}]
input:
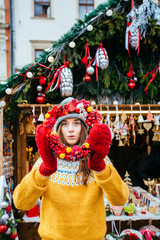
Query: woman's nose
[{"x": 70, "y": 128}]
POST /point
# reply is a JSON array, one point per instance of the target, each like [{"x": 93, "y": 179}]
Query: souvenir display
[{"x": 7, "y": 153}]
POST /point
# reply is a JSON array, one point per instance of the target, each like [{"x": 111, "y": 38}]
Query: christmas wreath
[{"x": 62, "y": 151}]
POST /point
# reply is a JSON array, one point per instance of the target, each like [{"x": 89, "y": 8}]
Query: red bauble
[
  {"x": 131, "y": 84},
  {"x": 40, "y": 99},
  {"x": 129, "y": 74},
  {"x": 84, "y": 60},
  {"x": 87, "y": 78},
  {"x": 13, "y": 235},
  {"x": 42, "y": 81},
  {"x": 3, "y": 228},
  {"x": 8, "y": 209}
]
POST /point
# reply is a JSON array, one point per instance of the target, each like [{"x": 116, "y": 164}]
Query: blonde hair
[{"x": 83, "y": 170}]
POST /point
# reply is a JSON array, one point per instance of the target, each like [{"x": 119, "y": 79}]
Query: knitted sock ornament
[
  {"x": 100, "y": 140},
  {"x": 49, "y": 164}
]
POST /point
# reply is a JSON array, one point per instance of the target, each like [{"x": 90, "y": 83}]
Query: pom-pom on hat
[{"x": 72, "y": 108}]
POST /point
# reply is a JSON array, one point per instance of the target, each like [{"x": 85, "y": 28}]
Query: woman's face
[{"x": 71, "y": 128}]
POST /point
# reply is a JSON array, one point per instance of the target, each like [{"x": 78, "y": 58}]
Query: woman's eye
[
  {"x": 64, "y": 124},
  {"x": 77, "y": 123}
]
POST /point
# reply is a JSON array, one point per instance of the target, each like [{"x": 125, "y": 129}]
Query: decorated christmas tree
[
  {"x": 8, "y": 225},
  {"x": 127, "y": 180}
]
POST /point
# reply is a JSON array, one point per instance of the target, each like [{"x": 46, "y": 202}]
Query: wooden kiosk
[{"x": 25, "y": 128}]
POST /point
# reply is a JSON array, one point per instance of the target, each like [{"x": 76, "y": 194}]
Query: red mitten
[
  {"x": 49, "y": 164},
  {"x": 100, "y": 140}
]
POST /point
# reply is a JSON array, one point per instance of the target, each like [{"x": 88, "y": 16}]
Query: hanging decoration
[
  {"x": 64, "y": 81},
  {"x": 87, "y": 60},
  {"x": 41, "y": 98},
  {"x": 8, "y": 91},
  {"x": 149, "y": 115},
  {"x": 90, "y": 70},
  {"x": 156, "y": 121},
  {"x": 132, "y": 31},
  {"x": 109, "y": 12},
  {"x": 138, "y": 21},
  {"x": 42, "y": 80},
  {"x": 51, "y": 59},
  {"x": 72, "y": 44},
  {"x": 130, "y": 74},
  {"x": 147, "y": 233},
  {"x": 140, "y": 118},
  {"x": 141, "y": 15},
  {"x": 29, "y": 74},
  {"x": 132, "y": 125},
  {"x": 89, "y": 28},
  {"x": 150, "y": 230},
  {"x": 153, "y": 73},
  {"x": 101, "y": 59},
  {"x": 140, "y": 121},
  {"x": 87, "y": 78},
  {"x": 133, "y": 234},
  {"x": 139, "y": 18},
  {"x": 39, "y": 88}
]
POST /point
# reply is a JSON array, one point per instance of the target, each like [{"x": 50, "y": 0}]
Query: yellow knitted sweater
[{"x": 70, "y": 210}]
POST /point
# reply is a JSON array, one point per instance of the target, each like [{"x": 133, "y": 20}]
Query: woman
[{"x": 72, "y": 205}]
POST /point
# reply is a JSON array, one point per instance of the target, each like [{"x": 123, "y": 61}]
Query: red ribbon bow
[
  {"x": 66, "y": 63},
  {"x": 148, "y": 233},
  {"x": 130, "y": 234}
]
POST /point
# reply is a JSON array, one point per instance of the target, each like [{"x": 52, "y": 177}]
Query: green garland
[{"x": 113, "y": 80}]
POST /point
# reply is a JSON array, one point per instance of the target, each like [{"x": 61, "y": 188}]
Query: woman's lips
[{"x": 71, "y": 136}]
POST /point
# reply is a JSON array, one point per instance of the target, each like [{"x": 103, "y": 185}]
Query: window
[
  {"x": 37, "y": 48},
  {"x": 38, "y": 52},
  {"x": 85, "y": 6},
  {"x": 42, "y": 8}
]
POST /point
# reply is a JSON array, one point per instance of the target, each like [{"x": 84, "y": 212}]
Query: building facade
[
  {"x": 39, "y": 23},
  {"x": 4, "y": 41}
]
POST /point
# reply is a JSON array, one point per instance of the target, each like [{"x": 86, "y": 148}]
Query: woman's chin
[{"x": 71, "y": 143}]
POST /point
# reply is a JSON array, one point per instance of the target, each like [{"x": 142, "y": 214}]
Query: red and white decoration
[
  {"x": 101, "y": 57},
  {"x": 132, "y": 33},
  {"x": 65, "y": 81}
]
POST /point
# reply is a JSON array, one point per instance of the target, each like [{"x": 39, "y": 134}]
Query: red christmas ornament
[
  {"x": 3, "y": 228},
  {"x": 131, "y": 84},
  {"x": 8, "y": 209},
  {"x": 42, "y": 81},
  {"x": 40, "y": 99},
  {"x": 84, "y": 60},
  {"x": 13, "y": 235},
  {"x": 87, "y": 78},
  {"x": 129, "y": 74}
]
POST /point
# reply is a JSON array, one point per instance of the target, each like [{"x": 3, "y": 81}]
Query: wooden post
[
  {"x": 22, "y": 167},
  {"x": 1, "y": 141},
  {"x": 19, "y": 174}
]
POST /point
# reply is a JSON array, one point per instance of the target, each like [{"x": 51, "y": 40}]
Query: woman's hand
[
  {"x": 100, "y": 140},
  {"x": 49, "y": 164}
]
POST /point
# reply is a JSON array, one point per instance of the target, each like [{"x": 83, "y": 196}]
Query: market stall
[{"x": 99, "y": 59}]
